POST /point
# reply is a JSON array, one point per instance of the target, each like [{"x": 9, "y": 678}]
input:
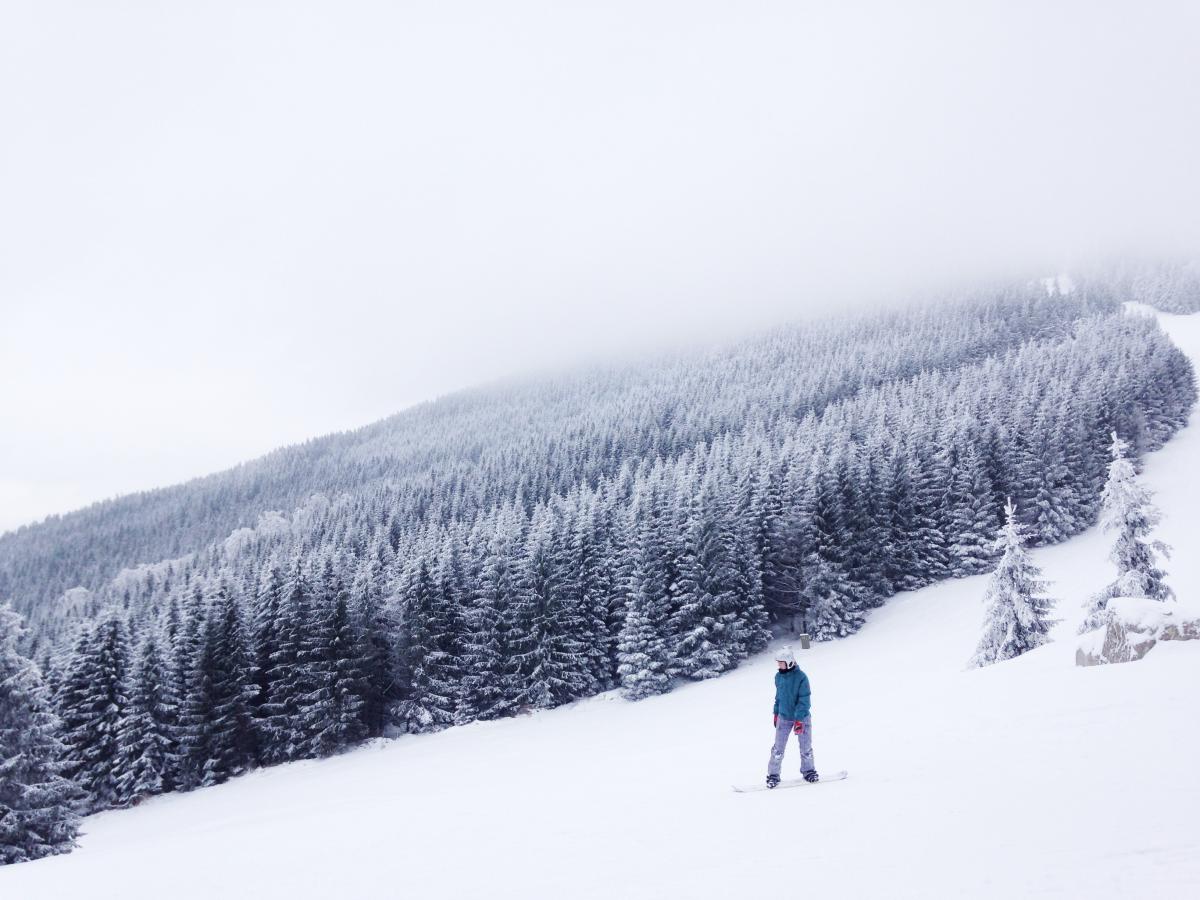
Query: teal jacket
[{"x": 791, "y": 694}]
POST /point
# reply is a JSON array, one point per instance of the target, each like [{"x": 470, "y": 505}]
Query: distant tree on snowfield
[
  {"x": 1017, "y": 617},
  {"x": 1126, "y": 509}
]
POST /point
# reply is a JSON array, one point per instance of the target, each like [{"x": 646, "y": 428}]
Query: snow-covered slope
[{"x": 1032, "y": 777}]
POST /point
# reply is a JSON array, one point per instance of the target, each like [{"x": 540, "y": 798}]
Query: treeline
[
  {"x": 471, "y": 451},
  {"x": 350, "y": 618},
  {"x": 1170, "y": 286}
]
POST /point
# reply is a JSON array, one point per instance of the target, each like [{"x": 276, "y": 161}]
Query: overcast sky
[{"x": 230, "y": 226}]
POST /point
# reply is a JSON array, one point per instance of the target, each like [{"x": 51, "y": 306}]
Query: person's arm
[{"x": 803, "y": 695}]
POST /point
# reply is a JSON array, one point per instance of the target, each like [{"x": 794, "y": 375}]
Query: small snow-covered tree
[
  {"x": 1017, "y": 617},
  {"x": 37, "y": 816},
  {"x": 1126, "y": 509}
]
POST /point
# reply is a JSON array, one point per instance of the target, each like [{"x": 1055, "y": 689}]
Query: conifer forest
[{"x": 532, "y": 542}]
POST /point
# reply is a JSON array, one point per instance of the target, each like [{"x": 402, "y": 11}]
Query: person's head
[{"x": 785, "y": 658}]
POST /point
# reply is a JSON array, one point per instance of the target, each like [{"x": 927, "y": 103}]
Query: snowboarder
[{"x": 791, "y": 716}]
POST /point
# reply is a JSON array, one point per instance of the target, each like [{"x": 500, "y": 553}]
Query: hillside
[
  {"x": 1029, "y": 778},
  {"x": 469, "y": 452}
]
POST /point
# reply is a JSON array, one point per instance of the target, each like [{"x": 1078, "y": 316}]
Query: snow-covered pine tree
[
  {"x": 37, "y": 804},
  {"x": 284, "y": 715},
  {"x": 1052, "y": 516},
  {"x": 642, "y": 652},
  {"x": 186, "y": 763},
  {"x": 487, "y": 691},
  {"x": 612, "y": 567},
  {"x": 548, "y": 662},
  {"x": 430, "y": 656},
  {"x": 862, "y": 480},
  {"x": 588, "y": 582},
  {"x": 902, "y": 566},
  {"x": 973, "y": 519},
  {"x": 732, "y": 587},
  {"x": 699, "y": 617},
  {"x": 836, "y": 606},
  {"x": 195, "y": 733},
  {"x": 753, "y": 631},
  {"x": 147, "y": 731},
  {"x": 373, "y": 622},
  {"x": 930, "y": 485},
  {"x": 232, "y": 750},
  {"x": 264, "y": 641},
  {"x": 92, "y": 704},
  {"x": 1126, "y": 508},
  {"x": 773, "y": 545},
  {"x": 1017, "y": 614},
  {"x": 344, "y": 712}
]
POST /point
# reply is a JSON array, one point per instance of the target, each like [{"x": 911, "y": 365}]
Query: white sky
[{"x": 227, "y": 226}]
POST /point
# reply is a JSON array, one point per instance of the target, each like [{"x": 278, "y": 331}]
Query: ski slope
[{"x": 1028, "y": 778}]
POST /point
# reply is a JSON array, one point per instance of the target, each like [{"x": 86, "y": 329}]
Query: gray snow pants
[{"x": 782, "y": 732}]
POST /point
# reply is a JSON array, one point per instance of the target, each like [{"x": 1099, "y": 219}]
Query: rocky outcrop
[{"x": 1132, "y": 627}]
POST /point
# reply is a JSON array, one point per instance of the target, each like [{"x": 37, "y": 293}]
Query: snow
[
  {"x": 1142, "y": 613},
  {"x": 1031, "y": 777}
]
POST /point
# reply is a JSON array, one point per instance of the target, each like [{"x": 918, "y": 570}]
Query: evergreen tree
[
  {"x": 642, "y": 651},
  {"x": 233, "y": 738},
  {"x": 1054, "y": 501},
  {"x": 862, "y": 481},
  {"x": 930, "y": 486},
  {"x": 836, "y": 606},
  {"x": 1126, "y": 508},
  {"x": 195, "y": 733},
  {"x": 185, "y": 769},
  {"x": 347, "y": 688},
  {"x": 37, "y": 804},
  {"x": 147, "y": 731},
  {"x": 700, "y": 619},
  {"x": 548, "y": 662},
  {"x": 375, "y": 626},
  {"x": 92, "y": 704},
  {"x": 432, "y": 662},
  {"x": 284, "y": 719},
  {"x": 1017, "y": 617},
  {"x": 973, "y": 519},
  {"x": 264, "y": 643},
  {"x": 902, "y": 566},
  {"x": 487, "y": 689},
  {"x": 588, "y": 583}
]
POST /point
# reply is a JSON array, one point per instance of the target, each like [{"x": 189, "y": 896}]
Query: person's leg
[
  {"x": 806, "y": 751},
  {"x": 782, "y": 729}
]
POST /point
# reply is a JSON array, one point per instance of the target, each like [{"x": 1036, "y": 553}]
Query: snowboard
[{"x": 788, "y": 782}]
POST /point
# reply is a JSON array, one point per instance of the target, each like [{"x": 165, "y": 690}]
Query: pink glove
[
  {"x": 799, "y": 729},
  {"x": 775, "y": 720}
]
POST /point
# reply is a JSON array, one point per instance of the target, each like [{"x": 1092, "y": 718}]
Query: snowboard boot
[
  {"x": 772, "y": 781},
  {"x": 810, "y": 777}
]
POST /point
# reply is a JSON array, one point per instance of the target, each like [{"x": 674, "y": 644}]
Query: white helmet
[{"x": 786, "y": 655}]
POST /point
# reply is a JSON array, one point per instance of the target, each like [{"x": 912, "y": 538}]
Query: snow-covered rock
[{"x": 1133, "y": 626}]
